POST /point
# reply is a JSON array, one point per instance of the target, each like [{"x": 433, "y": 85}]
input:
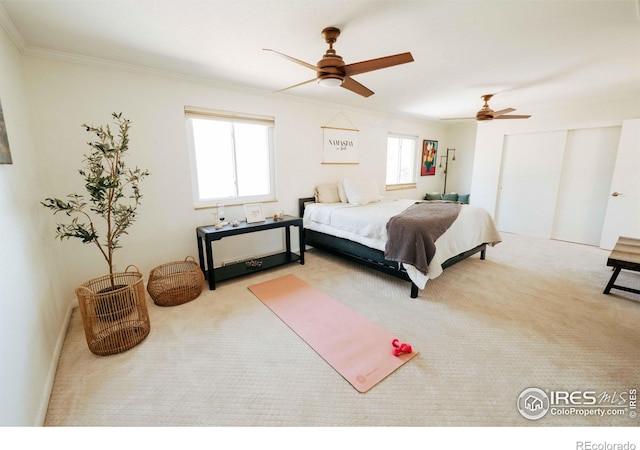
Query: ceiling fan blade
[
  {"x": 290, "y": 58},
  {"x": 501, "y": 112},
  {"x": 352, "y": 85},
  {"x": 296, "y": 85},
  {"x": 378, "y": 63},
  {"x": 514, "y": 116}
]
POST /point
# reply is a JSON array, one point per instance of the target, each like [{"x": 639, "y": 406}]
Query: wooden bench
[{"x": 625, "y": 255}]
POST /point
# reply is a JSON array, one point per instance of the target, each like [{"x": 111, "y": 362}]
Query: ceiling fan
[
  {"x": 332, "y": 71},
  {"x": 486, "y": 113}
]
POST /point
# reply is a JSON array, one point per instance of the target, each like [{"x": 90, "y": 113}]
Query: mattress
[{"x": 366, "y": 225}]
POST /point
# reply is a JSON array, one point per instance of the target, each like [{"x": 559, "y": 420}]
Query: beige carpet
[{"x": 531, "y": 315}]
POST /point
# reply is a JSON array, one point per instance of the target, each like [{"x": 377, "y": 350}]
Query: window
[
  {"x": 232, "y": 157},
  {"x": 401, "y": 161}
]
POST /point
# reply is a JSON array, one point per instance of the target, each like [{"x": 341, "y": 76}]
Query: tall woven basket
[
  {"x": 114, "y": 312},
  {"x": 176, "y": 282}
]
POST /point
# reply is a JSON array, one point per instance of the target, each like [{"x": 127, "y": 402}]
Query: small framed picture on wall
[
  {"x": 428, "y": 163},
  {"x": 5, "y": 153},
  {"x": 254, "y": 213}
]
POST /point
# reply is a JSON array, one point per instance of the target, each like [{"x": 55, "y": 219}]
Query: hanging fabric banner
[{"x": 340, "y": 145}]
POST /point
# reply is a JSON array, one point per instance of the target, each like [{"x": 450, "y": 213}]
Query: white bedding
[{"x": 366, "y": 225}]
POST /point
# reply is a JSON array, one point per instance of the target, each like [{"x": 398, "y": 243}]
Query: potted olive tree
[{"x": 113, "y": 306}]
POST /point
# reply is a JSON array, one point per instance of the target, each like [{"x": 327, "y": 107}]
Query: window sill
[
  {"x": 398, "y": 187},
  {"x": 231, "y": 203}
]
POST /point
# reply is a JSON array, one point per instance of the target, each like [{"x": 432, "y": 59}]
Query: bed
[{"x": 357, "y": 229}]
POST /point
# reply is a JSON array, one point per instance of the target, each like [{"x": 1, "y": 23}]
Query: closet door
[
  {"x": 623, "y": 209},
  {"x": 589, "y": 160},
  {"x": 529, "y": 180}
]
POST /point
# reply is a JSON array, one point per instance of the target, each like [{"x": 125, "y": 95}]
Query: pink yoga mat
[{"x": 359, "y": 350}]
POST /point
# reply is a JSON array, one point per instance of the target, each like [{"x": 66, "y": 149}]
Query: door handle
[{"x": 615, "y": 194}]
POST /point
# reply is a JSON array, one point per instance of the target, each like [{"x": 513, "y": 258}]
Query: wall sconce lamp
[{"x": 446, "y": 165}]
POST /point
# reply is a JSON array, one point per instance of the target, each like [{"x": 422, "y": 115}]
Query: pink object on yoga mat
[{"x": 359, "y": 350}]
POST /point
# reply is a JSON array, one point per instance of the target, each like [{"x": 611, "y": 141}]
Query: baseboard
[{"x": 46, "y": 392}]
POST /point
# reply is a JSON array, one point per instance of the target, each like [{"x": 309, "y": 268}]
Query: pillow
[
  {"x": 434, "y": 196},
  {"x": 464, "y": 198},
  {"x": 341, "y": 192},
  {"x": 327, "y": 193},
  {"x": 361, "y": 191},
  {"x": 451, "y": 197}
]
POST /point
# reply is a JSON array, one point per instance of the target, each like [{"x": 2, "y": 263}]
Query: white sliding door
[
  {"x": 529, "y": 181},
  {"x": 587, "y": 170}
]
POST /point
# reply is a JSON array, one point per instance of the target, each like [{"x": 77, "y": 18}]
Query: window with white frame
[
  {"x": 401, "y": 161},
  {"x": 232, "y": 157}
]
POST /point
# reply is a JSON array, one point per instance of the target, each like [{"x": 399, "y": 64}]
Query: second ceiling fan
[
  {"x": 332, "y": 71},
  {"x": 486, "y": 113}
]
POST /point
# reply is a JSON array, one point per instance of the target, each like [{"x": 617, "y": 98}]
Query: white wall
[
  {"x": 462, "y": 137},
  {"x": 64, "y": 95},
  {"x": 33, "y": 306},
  {"x": 46, "y": 101}
]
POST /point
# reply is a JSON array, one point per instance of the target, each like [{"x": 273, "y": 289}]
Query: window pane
[
  {"x": 252, "y": 157},
  {"x": 214, "y": 158},
  {"x": 401, "y": 159},
  {"x": 232, "y": 157},
  {"x": 407, "y": 158},
  {"x": 393, "y": 152}
]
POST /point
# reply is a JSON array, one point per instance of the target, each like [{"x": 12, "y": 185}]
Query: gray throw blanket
[{"x": 411, "y": 235}]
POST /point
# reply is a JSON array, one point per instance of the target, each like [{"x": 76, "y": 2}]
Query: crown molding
[{"x": 12, "y": 31}]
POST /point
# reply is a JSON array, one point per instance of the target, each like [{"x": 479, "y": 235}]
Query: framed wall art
[
  {"x": 253, "y": 213},
  {"x": 5, "y": 153},
  {"x": 428, "y": 163}
]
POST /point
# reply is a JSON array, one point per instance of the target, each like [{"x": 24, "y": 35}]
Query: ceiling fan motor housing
[
  {"x": 484, "y": 114},
  {"x": 331, "y": 67}
]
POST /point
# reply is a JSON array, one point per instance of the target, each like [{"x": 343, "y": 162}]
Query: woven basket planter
[
  {"x": 176, "y": 282},
  {"x": 114, "y": 312}
]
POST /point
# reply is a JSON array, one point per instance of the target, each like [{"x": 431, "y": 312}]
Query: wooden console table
[
  {"x": 207, "y": 234},
  {"x": 625, "y": 255}
]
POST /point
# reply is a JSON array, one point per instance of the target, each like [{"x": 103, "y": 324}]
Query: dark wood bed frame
[{"x": 367, "y": 256}]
